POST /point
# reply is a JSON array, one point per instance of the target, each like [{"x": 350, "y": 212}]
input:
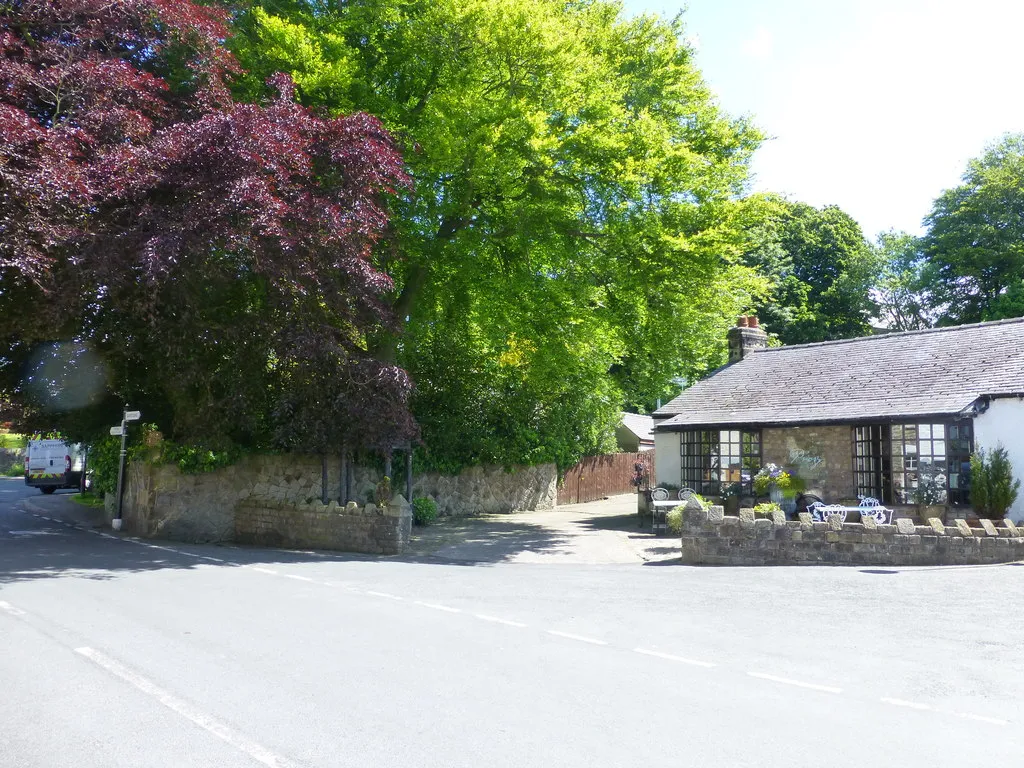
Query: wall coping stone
[{"x": 737, "y": 541}]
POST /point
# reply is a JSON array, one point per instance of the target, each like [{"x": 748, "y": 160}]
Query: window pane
[
  {"x": 926, "y": 431},
  {"x": 938, "y": 431}
]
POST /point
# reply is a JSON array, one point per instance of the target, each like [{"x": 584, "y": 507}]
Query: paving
[
  {"x": 598, "y": 532},
  {"x": 121, "y": 653}
]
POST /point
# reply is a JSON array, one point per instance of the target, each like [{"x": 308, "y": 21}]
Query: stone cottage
[{"x": 895, "y": 416}]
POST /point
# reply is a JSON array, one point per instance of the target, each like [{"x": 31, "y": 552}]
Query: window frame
[
  {"x": 703, "y": 453},
  {"x": 888, "y": 457}
]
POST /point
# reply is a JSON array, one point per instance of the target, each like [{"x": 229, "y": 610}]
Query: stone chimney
[{"x": 745, "y": 337}]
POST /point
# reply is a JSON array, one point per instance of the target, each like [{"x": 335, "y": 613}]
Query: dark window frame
[
  {"x": 888, "y": 458},
  {"x": 711, "y": 460}
]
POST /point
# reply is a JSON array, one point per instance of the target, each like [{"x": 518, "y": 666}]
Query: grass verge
[{"x": 88, "y": 500}]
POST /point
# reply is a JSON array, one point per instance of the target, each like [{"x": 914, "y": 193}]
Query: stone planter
[{"x": 926, "y": 512}]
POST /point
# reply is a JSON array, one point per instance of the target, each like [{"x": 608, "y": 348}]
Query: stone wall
[
  {"x": 352, "y": 528},
  {"x": 822, "y": 456},
  {"x": 162, "y": 502},
  {"x": 709, "y": 537}
]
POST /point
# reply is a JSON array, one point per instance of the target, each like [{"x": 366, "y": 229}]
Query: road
[{"x": 115, "y": 652}]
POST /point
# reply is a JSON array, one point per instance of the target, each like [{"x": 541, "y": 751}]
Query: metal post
[
  {"x": 408, "y": 475},
  {"x": 120, "y": 470},
  {"x": 387, "y": 465}
]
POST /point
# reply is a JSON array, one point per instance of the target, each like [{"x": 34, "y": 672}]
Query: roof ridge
[{"x": 874, "y": 337}]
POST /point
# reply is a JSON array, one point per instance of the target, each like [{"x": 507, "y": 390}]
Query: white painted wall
[
  {"x": 666, "y": 458},
  {"x": 1003, "y": 423}
]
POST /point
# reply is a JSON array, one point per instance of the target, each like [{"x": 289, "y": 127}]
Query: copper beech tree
[{"x": 215, "y": 255}]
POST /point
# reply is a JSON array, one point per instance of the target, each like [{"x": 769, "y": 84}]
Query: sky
[{"x": 872, "y": 105}]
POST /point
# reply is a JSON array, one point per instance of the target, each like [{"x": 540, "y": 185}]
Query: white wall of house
[
  {"x": 1003, "y": 424},
  {"x": 666, "y": 458}
]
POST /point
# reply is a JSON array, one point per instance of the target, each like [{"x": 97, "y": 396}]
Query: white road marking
[
  {"x": 224, "y": 732},
  {"x": 388, "y": 595},
  {"x": 496, "y": 620},
  {"x": 982, "y": 718},
  {"x": 5, "y": 606},
  {"x": 797, "y": 683},
  {"x": 904, "y": 703},
  {"x": 438, "y": 607},
  {"x": 581, "y": 638},
  {"x": 297, "y": 577},
  {"x": 673, "y": 657},
  {"x": 211, "y": 559},
  {"x": 263, "y": 570}
]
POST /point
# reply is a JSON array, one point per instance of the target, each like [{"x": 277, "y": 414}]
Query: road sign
[
  {"x": 132, "y": 415},
  {"x": 116, "y": 431}
]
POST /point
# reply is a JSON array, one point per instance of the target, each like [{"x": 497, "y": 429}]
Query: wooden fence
[{"x": 598, "y": 476}]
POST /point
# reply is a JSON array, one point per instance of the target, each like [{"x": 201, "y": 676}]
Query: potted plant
[
  {"x": 772, "y": 481},
  {"x": 731, "y": 498},
  {"x": 930, "y": 494}
]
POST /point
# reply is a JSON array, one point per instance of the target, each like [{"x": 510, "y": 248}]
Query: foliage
[
  {"x": 104, "y": 460},
  {"x": 424, "y": 510},
  {"x": 975, "y": 239},
  {"x": 732, "y": 489},
  {"x": 993, "y": 487},
  {"x": 88, "y": 499},
  {"x": 16, "y": 470},
  {"x": 674, "y": 519},
  {"x": 13, "y": 440},
  {"x": 570, "y": 244},
  {"x": 820, "y": 266},
  {"x": 211, "y": 259},
  {"x": 771, "y": 476},
  {"x": 766, "y": 509},
  {"x": 931, "y": 486},
  {"x": 902, "y": 293},
  {"x": 700, "y": 500}
]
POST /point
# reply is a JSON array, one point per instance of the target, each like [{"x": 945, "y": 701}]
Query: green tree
[
  {"x": 975, "y": 239},
  {"x": 821, "y": 268},
  {"x": 571, "y": 242},
  {"x": 902, "y": 293},
  {"x": 993, "y": 487}
]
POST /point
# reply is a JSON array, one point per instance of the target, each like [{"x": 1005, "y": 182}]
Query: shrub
[
  {"x": 766, "y": 510},
  {"x": 993, "y": 487},
  {"x": 424, "y": 510},
  {"x": 16, "y": 470},
  {"x": 701, "y": 500},
  {"x": 674, "y": 519}
]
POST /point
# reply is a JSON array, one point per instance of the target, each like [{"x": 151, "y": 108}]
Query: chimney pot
[
  {"x": 753, "y": 322},
  {"x": 741, "y": 321}
]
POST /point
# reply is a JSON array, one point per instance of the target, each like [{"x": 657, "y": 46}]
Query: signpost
[{"x": 122, "y": 431}]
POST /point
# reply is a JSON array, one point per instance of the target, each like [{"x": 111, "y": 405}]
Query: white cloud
[{"x": 761, "y": 45}]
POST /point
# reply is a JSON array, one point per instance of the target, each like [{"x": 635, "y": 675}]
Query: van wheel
[{"x": 48, "y": 491}]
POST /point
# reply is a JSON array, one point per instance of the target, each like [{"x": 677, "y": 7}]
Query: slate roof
[
  {"x": 936, "y": 372},
  {"x": 641, "y": 426}
]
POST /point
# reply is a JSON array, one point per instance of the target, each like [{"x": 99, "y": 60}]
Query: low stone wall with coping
[
  {"x": 709, "y": 537},
  {"x": 375, "y": 530}
]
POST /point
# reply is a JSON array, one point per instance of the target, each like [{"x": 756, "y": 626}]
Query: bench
[{"x": 868, "y": 507}]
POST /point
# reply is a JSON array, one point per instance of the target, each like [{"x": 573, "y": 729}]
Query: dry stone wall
[
  {"x": 709, "y": 537},
  {"x": 351, "y": 528},
  {"x": 162, "y": 502}
]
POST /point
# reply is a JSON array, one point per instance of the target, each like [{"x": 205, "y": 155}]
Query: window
[
  {"x": 711, "y": 460},
  {"x": 913, "y": 463},
  {"x": 871, "y": 468}
]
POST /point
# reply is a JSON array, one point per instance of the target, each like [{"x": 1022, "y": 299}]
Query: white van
[{"x": 53, "y": 464}]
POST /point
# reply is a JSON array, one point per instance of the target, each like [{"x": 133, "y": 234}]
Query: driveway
[{"x": 599, "y": 532}]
